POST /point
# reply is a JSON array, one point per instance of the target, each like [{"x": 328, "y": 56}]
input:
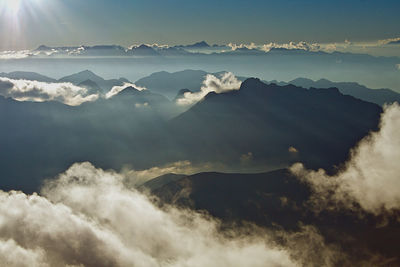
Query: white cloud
[
  {"x": 234, "y": 46},
  {"x": 226, "y": 82},
  {"x": 370, "y": 178},
  {"x": 11, "y": 254},
  {"x": 26, "y": 90},
  {"x": 15, "y": 54},
  {"x": 292, "y": 45},
  {"x": 388, "y": 41},
  {"x": 117, "y": 89},
  {"x": 88, "y": 217}
]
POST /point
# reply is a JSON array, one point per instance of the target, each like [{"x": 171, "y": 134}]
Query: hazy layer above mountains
[{"x": 283, "y": 64}]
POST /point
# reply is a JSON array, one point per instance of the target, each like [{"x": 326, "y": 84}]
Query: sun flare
[{"x": 10, "y": 5}]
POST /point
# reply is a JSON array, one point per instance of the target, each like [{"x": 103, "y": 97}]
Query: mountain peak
[
  {"x": 251, "y": 83},
  {"x": 43, "y": 48},
  {"x": 86, "y": 72},
  {"x": 201, "y": 44}
]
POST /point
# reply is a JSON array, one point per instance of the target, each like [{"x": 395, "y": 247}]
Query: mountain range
[{"x": 260, "y": 126}]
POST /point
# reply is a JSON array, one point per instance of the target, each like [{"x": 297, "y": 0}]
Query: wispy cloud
[
  {"x": 226, "y": 82},
  {"x": 26, "y": 90},
  {"x": 117, "y": 89},
  {"x": 370, "y": 178}
]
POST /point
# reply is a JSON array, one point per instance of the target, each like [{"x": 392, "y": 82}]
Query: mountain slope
[
  {"x": 23, "y": 75},
  {"x": 266, "y": 120},
  {"x": 43, "y": 139},
  {"x": 169, "y": 84},
  {"x": 377, "y": 96},
  {"x": 86, "y": 75}
]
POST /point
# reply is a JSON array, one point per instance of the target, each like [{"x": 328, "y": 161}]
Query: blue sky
[{"x": 125, "y": 22}]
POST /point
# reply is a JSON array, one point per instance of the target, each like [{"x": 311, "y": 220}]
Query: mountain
[
  {"x": 86, "y": 75},
  {"x": 143, "y": 50},
  {"x": 97, "y": 50},
  {"x": 396, "y": 42},
  {"x": 265, "y": 120},
  {"x": 173, "y": 51},
  {"x": 377, "y": 96},
  {"x": 93, "y": 88},
  {"x": 247, "y": 129},
  {"x": 198, "y": 45},
  {"x": 161, "y": 181},
  {"x": 103, "y": 50},
  {"x": 181, "y": 94},
  {"x": 244, "y": 51},
  {"x": 23, "y": 75},
  {"x": 277, "y": 200},
  {"x": 169, "y": 84},
  {"x": 44, "y": 138}
]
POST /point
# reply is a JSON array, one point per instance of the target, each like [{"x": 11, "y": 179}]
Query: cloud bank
[
  {"x": 370, "y": 179},
  {"x": 26, "y": 90},
  {"x": 88, "y": 217},
  {"x": 227, "y": 82}
]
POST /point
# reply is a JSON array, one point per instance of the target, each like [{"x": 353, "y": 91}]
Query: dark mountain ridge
[{"x": 322, "y": 124}]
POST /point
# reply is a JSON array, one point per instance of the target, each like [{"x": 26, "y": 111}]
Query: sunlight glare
[{"x": 11, "y": 5}]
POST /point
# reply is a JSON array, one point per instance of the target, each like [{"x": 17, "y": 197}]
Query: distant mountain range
[
  {"x": 170, "y": 84},
  {"x": 196, "y": 49},
  {"x": 88, "y": 78},
  {"x": 378, "y": 96},
  {"x": 250, "y": 129}
]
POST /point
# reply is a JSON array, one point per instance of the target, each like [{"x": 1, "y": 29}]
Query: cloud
[
  {"x": 138, "y": 177},
  {"x": 398, "y": 66},
  {"x": 15, "y": 54},
  {"x": 87, "y": 216},
  {"x": 389, "y": 41},
  {"x": 26, "y": 90},
  {"x": 11, "y": 254},
  {"x": 370, "y": 179},
  {"x": 293, "y": 150},
  {"x": 117, "y": 89},
  {"x": 292, "y": 45},
  {"x": 234, "y": 46},
  {"x": 224, "y": 83}
]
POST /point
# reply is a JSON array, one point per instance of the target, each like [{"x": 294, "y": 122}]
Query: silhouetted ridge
[
  {"x": 128, "y": 91},
  {"x": 252, "y": 83}
]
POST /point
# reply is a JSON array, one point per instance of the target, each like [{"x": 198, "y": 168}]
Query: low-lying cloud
[
  {"x": 89, "y": 217},
  {"x": 370, "y": 179},
  {"x": 27, "y": 90},
  {"x": 226, "y": 82},
  {"x": 138, "y": 177}
]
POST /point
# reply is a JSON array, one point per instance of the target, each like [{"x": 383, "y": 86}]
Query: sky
[{"x": 25, "y": 24}]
